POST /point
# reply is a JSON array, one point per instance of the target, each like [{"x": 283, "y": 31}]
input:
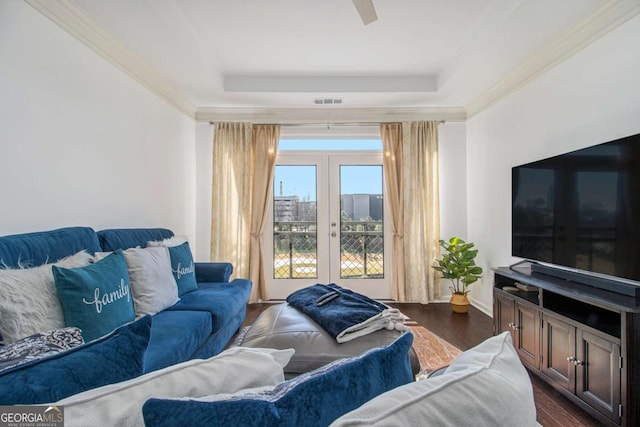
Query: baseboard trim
[{"x": 480, "y": 306}]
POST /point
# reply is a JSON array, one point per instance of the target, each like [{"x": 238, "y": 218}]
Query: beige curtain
[
  {"x": 265, "y": 148},
  {"x": 231, "y": 195},
  {"x": 421, "y": 210},
  {"x": 392, "y": 161}
]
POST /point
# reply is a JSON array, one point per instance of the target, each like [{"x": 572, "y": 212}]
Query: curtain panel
[
  {"x": 421, "y": 210},
  {"x": 231, "y": 195},
  {"x": 244, "y": 158},
  {"x": 391, "y": 134},
  {"x": 411, "y": 181},
  {"x": 265, "y": 150}
]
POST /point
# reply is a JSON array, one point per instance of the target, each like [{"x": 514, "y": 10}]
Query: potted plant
[{"x": 458, "y": 264}]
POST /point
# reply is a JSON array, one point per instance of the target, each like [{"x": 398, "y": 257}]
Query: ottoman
[{"x": 282, "y": 326}]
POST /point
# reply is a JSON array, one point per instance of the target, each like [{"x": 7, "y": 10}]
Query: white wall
[
  {"x": 204, "y": 156},
  {"x": 590, "y": 98},
  {"x": 453, "y": 186},
  {"x": 81, "y": 142}
]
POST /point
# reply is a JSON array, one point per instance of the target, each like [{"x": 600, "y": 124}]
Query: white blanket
[{"x": 389, "y": 319}]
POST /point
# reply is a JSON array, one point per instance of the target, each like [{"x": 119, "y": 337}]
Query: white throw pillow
[
  {"x": 486, "y": 386},
  {"x": 152, "y": 284},
  {"x": 232, "y": 370},
  {"x": 29, "y": 303},
  {"x": 100, "y": 255},
  {"x": 170, "y": 242}
]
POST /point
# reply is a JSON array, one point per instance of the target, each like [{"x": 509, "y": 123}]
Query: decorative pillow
[
  {"x": 96, "y": 298},
  {"x": 182, "y": 264},
  {"x": 152, "y": 284},
  {"x": 28, "y": 300},
  {"x": 230, "y": 371},
  {"x": 97, "y": 256},
  {"x": 111, "y": 359},
  {"x": 169, "y": 242},
  {"x": 485, "y": 386},
  {"x": 316, "y": 398},
  {"x": 38, "y": 346}
]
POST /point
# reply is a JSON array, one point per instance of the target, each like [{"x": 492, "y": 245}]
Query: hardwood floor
[{"x": 466, "y": 331}]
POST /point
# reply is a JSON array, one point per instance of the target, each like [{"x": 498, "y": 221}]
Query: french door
[{"x": 328, "y": 224}]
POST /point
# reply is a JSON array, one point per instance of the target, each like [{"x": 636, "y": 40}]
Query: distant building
[
  {"x": 307, "y": 211},
  {"x": 355, "y": 206},
  {"x": 361, "y": 206},
  {"x": 375, "y": 207},
  {"x": 285, "y": 208}
]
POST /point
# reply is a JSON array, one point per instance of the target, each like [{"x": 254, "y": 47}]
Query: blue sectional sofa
[
  {"x": 103, "y": 381},
  {"x": 199, "y": 325},
  {"x": 203, "y": 321}
]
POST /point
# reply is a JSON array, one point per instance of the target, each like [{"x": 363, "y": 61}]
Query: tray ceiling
[{"x": 284, "y": 54}]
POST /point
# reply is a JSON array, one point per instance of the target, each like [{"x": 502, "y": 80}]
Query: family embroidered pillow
[
  {"x": 96, "y": 298},
  {"x": 181, "y": 263},
  {"x": 152, "y": 284}
]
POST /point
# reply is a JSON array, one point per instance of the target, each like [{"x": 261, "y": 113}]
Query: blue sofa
[{"x": 198, "y": 326}]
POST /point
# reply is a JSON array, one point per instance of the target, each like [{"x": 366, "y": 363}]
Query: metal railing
[
  {"x": 361, "y": 249},
  {"x": 295, "y": 248}
]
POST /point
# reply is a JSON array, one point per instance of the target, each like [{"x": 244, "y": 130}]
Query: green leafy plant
[{"x": 458, "y": 264}]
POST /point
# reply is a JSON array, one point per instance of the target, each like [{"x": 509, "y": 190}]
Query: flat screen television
[{"x": 581, "y": 210}]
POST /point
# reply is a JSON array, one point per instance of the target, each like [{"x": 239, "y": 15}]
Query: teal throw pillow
[
  {"x": 96, "y": 298},
  {"x": 183, "y": 268}
]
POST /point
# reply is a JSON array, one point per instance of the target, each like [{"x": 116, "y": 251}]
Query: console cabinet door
[
  {"x": 558, "y": 352},
  {"x": 598, "y": 373},
  {"x": 504, "y": 314},
  {"x": 527, "y": 331}
]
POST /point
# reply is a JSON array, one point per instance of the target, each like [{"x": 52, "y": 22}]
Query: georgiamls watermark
[{"x": 31, "y": 416}]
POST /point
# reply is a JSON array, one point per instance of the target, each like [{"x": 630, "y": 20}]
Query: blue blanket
[{"x": 343, "y": 313}]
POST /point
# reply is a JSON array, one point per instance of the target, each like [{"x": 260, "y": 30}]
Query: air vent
[{"x": 324, "y": 101}]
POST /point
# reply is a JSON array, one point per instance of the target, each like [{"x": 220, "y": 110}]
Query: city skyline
[
  {"x": 357, "y": 207},
  {"x": 300, "y": 180}
]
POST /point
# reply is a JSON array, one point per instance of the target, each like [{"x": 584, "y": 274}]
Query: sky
[{"x": 301, "y": 180}]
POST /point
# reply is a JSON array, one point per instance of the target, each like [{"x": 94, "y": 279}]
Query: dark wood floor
[{"x": 466, "y": 331}]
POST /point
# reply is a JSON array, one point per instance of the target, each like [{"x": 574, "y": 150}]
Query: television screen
[{"x": 581, "y": 209}]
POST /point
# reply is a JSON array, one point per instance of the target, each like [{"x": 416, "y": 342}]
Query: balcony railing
[{"x": 361, "y": 249}]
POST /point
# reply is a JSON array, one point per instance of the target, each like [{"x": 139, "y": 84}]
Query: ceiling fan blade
[{"x": 366, "y": 10}]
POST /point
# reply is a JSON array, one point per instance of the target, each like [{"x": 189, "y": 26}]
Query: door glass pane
[
  {"x": 295, "y": 222},
  {"x": 361, "y": 229}
]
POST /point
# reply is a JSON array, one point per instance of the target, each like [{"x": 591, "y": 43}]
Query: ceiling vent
[{"x": 324, "y": 101}]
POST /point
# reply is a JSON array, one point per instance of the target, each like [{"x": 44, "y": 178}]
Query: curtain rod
[{"x": 330, "y": 124}]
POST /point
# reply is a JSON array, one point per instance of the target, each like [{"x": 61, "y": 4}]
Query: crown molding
[
  {"x": 329, "y": 114},
  {"x": 78, "y": 24},
  {"x": 605, "y": 18}
]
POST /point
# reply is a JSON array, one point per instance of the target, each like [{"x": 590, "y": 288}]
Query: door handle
[
  {"x": 333, "y": 234},
  {"x": 333, "y": 224}
]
